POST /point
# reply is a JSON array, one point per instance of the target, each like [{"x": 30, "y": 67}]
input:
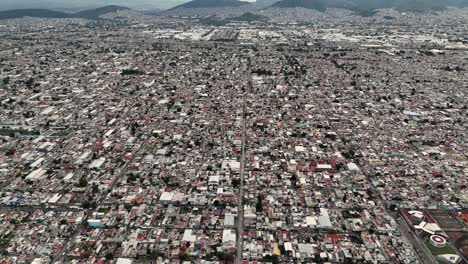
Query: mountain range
[
  {"x": 45, "y": 13},
  {"x": 364, "y": 7},
  {"x": 361, "y": 7},
  {"x": 212, "y": 4},
  {"x": 370, "y": 5}
]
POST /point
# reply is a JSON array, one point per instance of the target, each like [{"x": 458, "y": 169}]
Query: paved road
[
  {"x": 422, "y": 252},
  {"x": 33, "y": 208},
  {"x": 240, "y": 207},
  {"x": 458, "y": 251}
]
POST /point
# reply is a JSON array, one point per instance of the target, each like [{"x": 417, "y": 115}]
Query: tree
[
  {"x": 259, "y": 206},
  {"x": 82, "y": 182},
  {"x": 131, "y": 177},
  {"x": 183, "y": 256},
  {"x": 86, "y": 204},
  {"x": 109, "y": 256},
  {"x": 283, "y": 250},
  {"x": 235, "y": 182},
  {"x": 133, "y": 129},
  {"x": 29, "y": 83},
  {"x": 95, "y": 188},
  {"x": 153, "y": 254},
  {"x": 10, "y": 152},
  {"x": 294, "y": 178},
  {"x": 349, "y": 154},
  {"x": 128, "y": 206},
  {"x": 6, "y": 80},
  {"x": 209, "y": 256},
  {"x": 270, "y": 258},
  {"x": 225, "y": 256}
]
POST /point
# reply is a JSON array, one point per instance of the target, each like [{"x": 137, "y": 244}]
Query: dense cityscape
[{"x": 308, "y": 138}]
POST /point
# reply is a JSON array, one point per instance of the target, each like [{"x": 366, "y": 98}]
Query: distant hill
[
  {"x": 309, "y": 4},
  {"x": 321, "y": 5},
  {"x": 248, "y": 17},
  {"x": 95, "y": 13},
  {"x": 45, "y": 13},
  {"x": 264, "y": 3},
  {"x": 356, "y": 5},
  {"x": 428, "y": 5},
  {"x": 212, "y": 4},
  {"x": 368, "y": 7},
  {"x": 42, "y": 13}
]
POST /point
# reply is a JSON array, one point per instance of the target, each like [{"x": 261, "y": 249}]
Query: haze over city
[{"x": 147, "y": 4}]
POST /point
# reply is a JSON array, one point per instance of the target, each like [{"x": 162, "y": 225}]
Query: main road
[
  {"x": 425, "y": 256},
  {"x": 240, "y": 203}
]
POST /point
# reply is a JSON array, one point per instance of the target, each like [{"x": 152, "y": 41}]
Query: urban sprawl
[{"x": 149, "y": 140}]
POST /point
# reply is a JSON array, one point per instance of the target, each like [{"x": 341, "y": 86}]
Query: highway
[{"x": 421, "y": 250}]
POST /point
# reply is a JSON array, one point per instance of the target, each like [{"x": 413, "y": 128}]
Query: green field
[{"x": 440, "y": 251}]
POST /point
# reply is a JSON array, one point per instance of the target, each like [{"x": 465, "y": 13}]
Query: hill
[
  {"x": 264, "y": 3},
  {"x": 248, "y": 17},
  {"x": 368, "y": 7},
  {"x": 321, "y": 5},
  {"x": 97, "y": 12},
  {"x": 45, "y": 13},
  {"x": 212, "y": 4},
  {"x": 309, "y": 4}
]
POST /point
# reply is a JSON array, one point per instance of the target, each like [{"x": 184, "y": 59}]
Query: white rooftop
[{"x": 229, "y": 235}]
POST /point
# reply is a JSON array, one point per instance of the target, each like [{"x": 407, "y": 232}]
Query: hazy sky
[{"x": 10, "y": 4}]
